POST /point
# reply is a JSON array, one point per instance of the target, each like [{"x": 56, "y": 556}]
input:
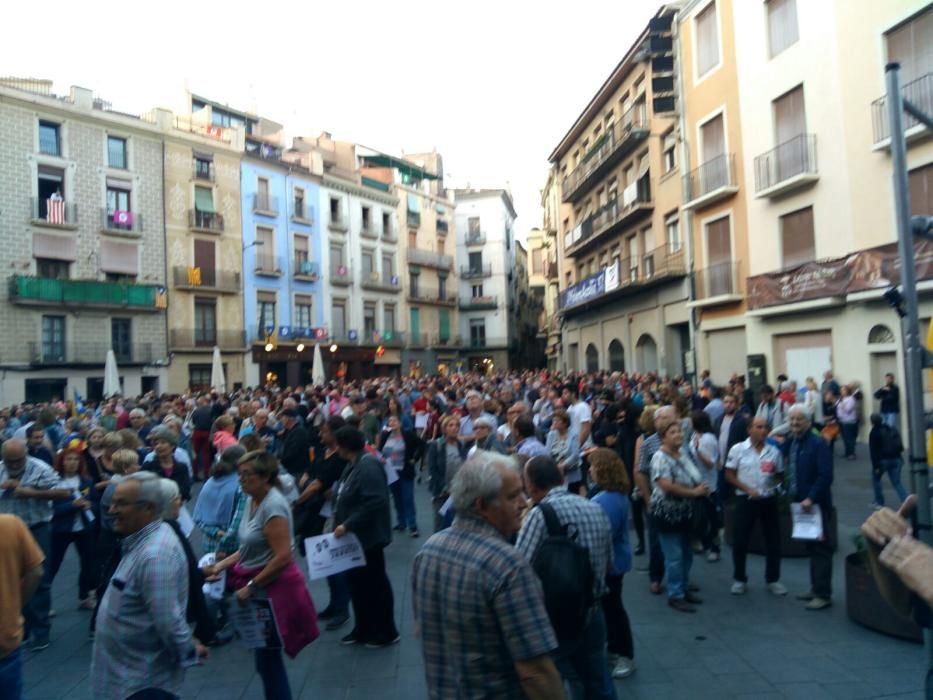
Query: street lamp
[
  {"x": 301, "y": 347},
  {"x": 250, "y": 245},
  {"x": 333, "y": 348}
]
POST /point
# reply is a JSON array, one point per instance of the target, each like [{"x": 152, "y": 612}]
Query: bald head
[{"x": 14, "y": 449}]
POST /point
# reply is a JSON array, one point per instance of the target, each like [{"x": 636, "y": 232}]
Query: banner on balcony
[
  {"x": 875, "y": 268},
  {"x": 584, "y": 291},
  {"x": 122, "y": 218},
  {"x": 612, "y": 277}
]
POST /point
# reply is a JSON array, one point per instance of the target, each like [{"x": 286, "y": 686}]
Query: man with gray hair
[
  {"x": 478, "y": 605},
  {"x": 474, "y": 407},
  {"x": 140, "y": 423},
  {"x": 809, "y": 460},
  {"x": 143, "y": 643}
]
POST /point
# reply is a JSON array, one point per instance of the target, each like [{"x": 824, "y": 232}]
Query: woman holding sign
[{"x": 263, "y": 567}]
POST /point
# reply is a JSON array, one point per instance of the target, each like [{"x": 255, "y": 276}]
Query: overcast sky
[{"x": 493, "y": 85}]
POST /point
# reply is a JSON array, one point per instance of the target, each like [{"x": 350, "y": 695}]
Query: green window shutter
[
  {"x": 414, "y": 326},
  {"x": 414, "y": 205},
  {"x": 204, "y": 200},
  {"x": 443, "y": 318}
]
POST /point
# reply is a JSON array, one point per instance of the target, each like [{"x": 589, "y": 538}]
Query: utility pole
[{"x": 916, "y": 356}]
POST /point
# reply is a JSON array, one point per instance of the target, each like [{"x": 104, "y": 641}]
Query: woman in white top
[
  {"x": 704, "y": 448},
  {"x": 814, "y": 401}
]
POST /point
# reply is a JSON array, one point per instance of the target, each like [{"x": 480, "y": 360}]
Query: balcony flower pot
[
  {"x": 790, "y": 548},
  {"x": 866, "y": 606}
]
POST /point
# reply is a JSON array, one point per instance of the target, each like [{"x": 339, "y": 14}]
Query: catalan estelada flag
[
  {"x": 194, "y": 276},
  {"x": 161, "y": 298}
]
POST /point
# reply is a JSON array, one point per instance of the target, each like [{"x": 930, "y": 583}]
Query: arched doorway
[
  {"x": 646, "y": 352},
  {"x": 592, "y": 358},
  {"x": 616, "y": 356}
]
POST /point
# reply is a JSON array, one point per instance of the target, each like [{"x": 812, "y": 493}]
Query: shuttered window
[
  {"x": 797, "y": 239},
  {"x": 707, "y": 38},
  {"x": 911, "y": 45},
  {"x": 921, "y": 191},
  {"x": 782, "y": 25}
]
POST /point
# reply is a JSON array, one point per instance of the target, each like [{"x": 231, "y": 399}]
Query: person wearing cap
[
  {"x": 164, "y": 441},
  {"x": 293, "y": 451}
]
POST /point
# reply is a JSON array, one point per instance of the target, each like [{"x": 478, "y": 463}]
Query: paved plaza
[{"x": 755, "y": 646}]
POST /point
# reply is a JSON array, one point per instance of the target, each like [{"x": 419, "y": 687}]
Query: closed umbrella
[
  {"x": 317, "y": 367},
  {"x": 111, "y": 376},
  {"x": 218, "y": 381}
]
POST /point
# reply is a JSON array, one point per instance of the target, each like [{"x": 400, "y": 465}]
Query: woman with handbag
[{"x": 677, "y": 484}]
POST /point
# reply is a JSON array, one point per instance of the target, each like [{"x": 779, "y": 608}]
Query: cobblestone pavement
[{"x": 755, "y": 646}]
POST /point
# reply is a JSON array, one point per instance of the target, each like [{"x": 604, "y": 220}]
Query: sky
[{"x": 492, "y": 85}]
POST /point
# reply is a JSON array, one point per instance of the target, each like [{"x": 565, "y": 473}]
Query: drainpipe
[
  {"x": 687, "y": 214},
  {"x": 165, "y": 261}
]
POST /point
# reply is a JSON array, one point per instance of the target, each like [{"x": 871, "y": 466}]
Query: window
[
  {"x": 413, "y": 284},
  {"x": 301, "y": 252},
  {"x": 782, "y": 25},
  {"x": 478, "y": 332},
  {"x": 335, "y": 210},
  {"x": 386, "y": 223},
  {"x": 205, "y": 321},
  {"x": 388, "y": 318},
  {"x": 537, "y": 261},
  {"x": 610, "y": 119},
  {"x": 50, "y": 138},
  {"x": 263, "y": 201},
  {"x": 476, "y": 263},
  {"x": 203, "y": 207},
  {"x": 299, "y": 211},
  {"x": 920, "y": 181},
  {"x": 338, "y": 316},
  {"x": 116, "y": 152},
  {"x": 202, "y": 167},
  {"x": 707, "y": 38},
  {"x": 205, "y": 261},
  {"x": 336, "y": 257},
  {"x": 51, "y": 269},
  {"x": 51, "y": 183},
  {"x": 118, "y": 205},
  {"x": 199, "y": 377},
  {"x": 367, "y": 215},
  {"x": 53, "y": 338},
  {"x": 440, "y": 244},
  {"x": 797, "y": 242},
  {"x": 911, "y": 45},
  {"x": 670, "y": 151},
  {"x": 790, "y": 122},
  {"x": 302, "y": 311},
  {"x": 412, "y": 239},
  {"x": 672, "y": 226},
  {"x": 120, "y": 339},
  {"x": 442, "y": 288},
  {"x": 369, "y": 267},
  {"x": 369, "y": 320},
  {"x": 473, "y": 228},
  {"x": 388, "y": 268},
  {"x": 265, "y": 309}
]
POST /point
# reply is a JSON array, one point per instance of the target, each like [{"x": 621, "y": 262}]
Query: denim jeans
[
  {"x": 583, "y": 663},
  {"x": 849, "y": 433},
  {"x": 893, "y": 468},
  {"x": 655, "y": 555},
  {"x": 890, "y": 419},
  {"x": 339, "y": 592},
  {"x": 271, "y": 669},
  {"x": 36, "y": 611},
  {"x": 678, "y": 556},
  {"x": 11, "y": 674},
  {"x": 403, "y": 493}
]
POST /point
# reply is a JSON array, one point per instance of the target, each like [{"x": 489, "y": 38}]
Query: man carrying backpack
[
  {"x": 568, "y": 541},
  {"x": 886, "y": 448}
]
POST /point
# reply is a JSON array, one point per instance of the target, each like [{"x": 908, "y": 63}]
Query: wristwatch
[{"x": 250, "y": 584}]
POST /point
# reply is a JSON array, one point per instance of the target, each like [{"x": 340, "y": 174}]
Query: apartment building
[
  {"x": 554, "y": 212},
  {"x": 714, "y": 217},
  {"x": 82, "y": 233},
  {"x": 821, "y": 219},
  {"x": 624, "y": 271},
  {"x": 486, "y": 264},
  {"x": 528, "y": 306},
  {"x": 542, "y": 292}
]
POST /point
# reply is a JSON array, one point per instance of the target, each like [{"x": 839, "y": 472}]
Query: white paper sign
[
  {"x": 255, "y": 624},
  {"x": 445, "y": 508},
  {"x": 327, "y": 509},
  {"x": 327, "y": 555},
  {"x": 213, "y": 589},
  {"x": 185, "y": 522},
  {"x": 421, "y": 421},
  {"x": 807, "y": 526}
]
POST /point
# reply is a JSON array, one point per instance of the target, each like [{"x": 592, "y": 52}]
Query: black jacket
[
  {"x": 437, "y": 463},
  {"x": 414, "y": 451},
  {"x": 197, "y": 612},
  {"x": 293, "y": 454},
  {"x": 890, "y": 397},
  {"x": 363, "y": 503},
  {"x": 179, "y": 475},
  {"x": 738, "y": 431}
]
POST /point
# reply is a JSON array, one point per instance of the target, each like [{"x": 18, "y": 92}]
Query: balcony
[
  {"x": 619, "y": 212},
  {"x": 205, "y": 221},
  {"x": 265, "y": 204},
  {"x": 433, "y": 297},
  {"x": 38, "y": 291},
  {"x": 485, "y": 343},
  {"x": 301, "y": 213},
  {"x": 304, "y": 269},
  {"x": 202, "y": 170},
  {"x": 718, "y": 285},
  {"x": 426, "y": 258},
  {"x": 84, "y": 353},
  {"x": 380, "y": 283},
  {"x": 711, "y": 182},
  {"x": 920, "y": 94},
  {"x": 341, "y": 275},
  {"x": 388, "y": 234},
  {"x": 337, "y": 223},
  {"x": 121, "y": 222},
  {"x": 414, "y": 219},
  {"x": 475, "y": 272},
  {"x": 206, "y": 338},
  {"x": 53, "y": 213},
  {"x": 479, "y": 303},
  {"x": 443, "y": 227},
  {"x": 626, "y": 276},
  {"x": 615, "y": 144},
  {"x": 367, "y": 230},
  {"x": 268, "y": 265},
  {"x": 787, "y": 167},
  {"x": 472, "y": 238},
  {"x": 202, "y": 279}
]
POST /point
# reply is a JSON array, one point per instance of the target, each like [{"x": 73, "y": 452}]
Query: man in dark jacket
[
  {"x": 293, "y": 453},
  {"x": 809, "y": 460},
  {"x": 890, "y": 397}
]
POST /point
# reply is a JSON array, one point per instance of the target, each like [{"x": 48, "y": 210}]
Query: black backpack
[
  {"x": 566, "y": 574},
  {"x": 890, "y": 443}
]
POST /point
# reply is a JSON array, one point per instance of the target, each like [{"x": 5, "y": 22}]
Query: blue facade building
[{"x": 283, "y": 285}]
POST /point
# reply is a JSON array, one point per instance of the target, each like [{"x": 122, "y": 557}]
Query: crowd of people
[{"x": 536, "y": 481}]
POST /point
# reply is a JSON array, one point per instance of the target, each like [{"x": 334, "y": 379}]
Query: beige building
[
  {"x": 624, "y": 263},
  {"x": 204, "y": 247},
  {"x": 542, "y": 290},
  {"x": 818, "y": 177},
  {"x": 554, "y": 212}
]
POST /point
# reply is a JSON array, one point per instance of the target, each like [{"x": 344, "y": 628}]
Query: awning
[
  {"x": 204, "y": 200},
  {"x": 414, "y": 205},
  {"x": 403, "y": 166},
  {"x": 117, "y": 184},
  {"x": 643, "y": 166},
  {"x": 440, "y": 208},
  {"x": 48, "y": 245},
  {"x": 204, "y": 156},
  {"x": 119, "y": 258}
]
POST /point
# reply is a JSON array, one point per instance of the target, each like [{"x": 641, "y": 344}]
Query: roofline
[
  {"x": 479, "y": 194},
  {"x": 601, "y": 96}
]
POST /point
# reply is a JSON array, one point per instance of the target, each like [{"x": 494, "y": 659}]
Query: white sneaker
[
  {"x": 777, "y": 588},
  {"x": 612, "y": 659},
  {"x": 623, "y": 669},
  {"x": 738, "y": 588}
]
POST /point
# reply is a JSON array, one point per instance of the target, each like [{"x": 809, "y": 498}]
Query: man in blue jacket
[{"x": 809, "y": 460}]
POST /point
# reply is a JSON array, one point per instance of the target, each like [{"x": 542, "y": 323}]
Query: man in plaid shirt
[
  {"x": 585, "y": 659},
  {"x": 479, "y": 607}
]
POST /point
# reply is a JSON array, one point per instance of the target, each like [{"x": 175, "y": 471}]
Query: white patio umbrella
[
  {"x": 218, "y": 381},
  {"x": 317, "y": 366},
  {"x": 111, "y": 376}
]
